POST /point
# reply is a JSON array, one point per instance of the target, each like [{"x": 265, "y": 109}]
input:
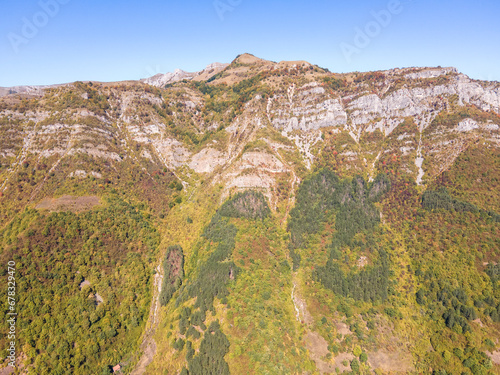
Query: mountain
[
  {"x": 161, "y": 80},
  {"x": 254, "y": 217},
  {"x": 29, "y": 90}
]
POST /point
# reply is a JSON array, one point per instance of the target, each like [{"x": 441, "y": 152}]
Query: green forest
[
  {"x": 351, "y": 201},
  {"x": 344, "y": 215},
  {"x": 211, "y": 281},
  {"x": 83, "y": 284}
]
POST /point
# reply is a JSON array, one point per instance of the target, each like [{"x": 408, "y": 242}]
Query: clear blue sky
[{"x": 108, "y": 40}]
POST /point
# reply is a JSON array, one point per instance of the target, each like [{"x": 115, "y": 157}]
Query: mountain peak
[
  {"x": 248, "y": 58},
  {"x": 160, "y": 80}
]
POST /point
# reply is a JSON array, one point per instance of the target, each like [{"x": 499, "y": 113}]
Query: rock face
[
  {"x": 467, "y": 125},
  {"x": 431, "y": 73},
  {"x": 160, "y": 80},
  {"x": 28, "y": 90},
  {"x": 245, "y": 139},
  {"x": 207, "y": 160},
  {"x": 368, "y": 112}
]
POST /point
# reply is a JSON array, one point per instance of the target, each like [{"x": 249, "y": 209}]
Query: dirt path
[
  {"x": 397, "y": 362},
  {"x": 6, "y": 370},
  {"x": 494, "y": 356},
  {"x": 148, "y": 346},
  {"x": 69, "y": 203},
  {"x": 318, "y": 348},
  {"x": 146, "y": 358},
  {"x": 315, "y": 343}
]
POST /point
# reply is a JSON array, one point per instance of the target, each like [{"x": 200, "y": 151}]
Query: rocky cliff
[
  {"x": 306, "y": 208},
  {"x": 284, "y": 114}
]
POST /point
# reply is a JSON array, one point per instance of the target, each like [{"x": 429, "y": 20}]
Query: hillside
[{"x": 255, "y": 217}]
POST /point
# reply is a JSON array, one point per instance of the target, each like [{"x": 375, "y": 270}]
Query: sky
[{"x": 57, "y": 41}]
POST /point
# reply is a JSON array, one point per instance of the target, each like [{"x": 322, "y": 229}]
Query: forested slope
[{"x": 270, "y": 218}]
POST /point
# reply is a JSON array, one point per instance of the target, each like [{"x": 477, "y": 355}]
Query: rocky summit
[{"x": 255, "y": 217}]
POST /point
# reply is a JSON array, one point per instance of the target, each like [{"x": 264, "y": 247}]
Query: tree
[
  {"x": 107, "y": 370},
  {"x": 213, "y": 348},
  {"x": 355, "y": 366},
  {"x": 363, "y": 357}
]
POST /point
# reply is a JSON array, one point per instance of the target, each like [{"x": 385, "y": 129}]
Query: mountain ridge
[
  {"x": 273, "y": 218},
  {"x": 162, "y": 79}
]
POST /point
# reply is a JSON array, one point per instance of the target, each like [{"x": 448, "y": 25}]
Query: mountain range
[{"x": 254, "y": 217}]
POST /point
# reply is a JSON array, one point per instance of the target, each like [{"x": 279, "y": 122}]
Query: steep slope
[
  {"x": 295, "y": 219},
  {"x": 161, "y": 80}
]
